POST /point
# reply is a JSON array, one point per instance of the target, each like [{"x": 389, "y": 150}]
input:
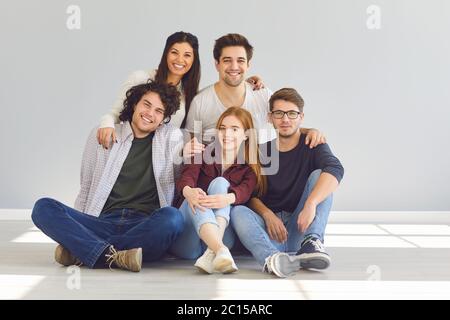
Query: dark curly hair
[{"x": 169, "y": 95}]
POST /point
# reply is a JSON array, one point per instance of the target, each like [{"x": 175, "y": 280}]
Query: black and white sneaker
[{"x": 312, "y": 255}]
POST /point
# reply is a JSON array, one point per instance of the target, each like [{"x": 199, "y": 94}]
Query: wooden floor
[{"x": 374, "y": 256}]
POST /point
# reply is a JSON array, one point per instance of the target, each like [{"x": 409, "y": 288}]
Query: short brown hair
[
  {"x": 287, "y": 94},
  {"x": 232, "y": 40}
]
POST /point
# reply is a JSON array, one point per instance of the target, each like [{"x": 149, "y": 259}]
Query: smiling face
[
  {"x": 231, "y": 133},
  {"x": 286, "y": 126},
  {"x": 148, "y": 115},
  {"x": 232, "y": 65},
  {"x": 180, "y": 58}
]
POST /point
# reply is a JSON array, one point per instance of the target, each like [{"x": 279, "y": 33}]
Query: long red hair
[{"x": 251, "y": 155}]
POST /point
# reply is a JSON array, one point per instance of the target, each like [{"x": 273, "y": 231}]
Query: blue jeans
[
  {"x": 87, "y": 237},
  {"x": 251, "y": 229},
  {"x": 189, "y": 245}
]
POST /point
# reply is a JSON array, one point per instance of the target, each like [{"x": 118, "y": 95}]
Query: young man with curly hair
[{"x": 123, "y": 213}]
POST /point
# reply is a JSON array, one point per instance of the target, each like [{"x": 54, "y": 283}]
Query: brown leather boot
[
  {"x": 64, "y": 257},
  {"x": 125, "y": 259}
]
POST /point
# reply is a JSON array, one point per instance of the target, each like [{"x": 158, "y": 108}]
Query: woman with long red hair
[{"x": 210, "y": 186}]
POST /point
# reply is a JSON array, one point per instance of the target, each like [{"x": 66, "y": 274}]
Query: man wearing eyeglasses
[{"x": 284, "y": 229}]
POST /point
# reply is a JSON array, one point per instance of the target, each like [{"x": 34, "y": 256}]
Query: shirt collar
[{"x": 127, "y": 131}]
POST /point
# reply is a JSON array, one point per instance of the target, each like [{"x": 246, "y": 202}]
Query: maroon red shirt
[{"x": 241, "y": 177}]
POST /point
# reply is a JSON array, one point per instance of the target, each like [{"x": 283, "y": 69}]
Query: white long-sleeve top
[{"x": 135, "y": 78}]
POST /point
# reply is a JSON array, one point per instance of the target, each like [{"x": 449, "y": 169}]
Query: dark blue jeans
[{"x": 87, "y": 237}]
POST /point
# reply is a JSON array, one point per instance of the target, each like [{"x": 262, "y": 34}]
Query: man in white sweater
[{"x": 232, "y": 55}]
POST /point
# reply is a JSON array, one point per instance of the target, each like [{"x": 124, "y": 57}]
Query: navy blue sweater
[{"x": 286, "y": 187}]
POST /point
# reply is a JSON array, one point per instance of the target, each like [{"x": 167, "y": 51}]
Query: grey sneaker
[
  {"x": 281, "y": 264},
  {"x": 126, "y": 259}
]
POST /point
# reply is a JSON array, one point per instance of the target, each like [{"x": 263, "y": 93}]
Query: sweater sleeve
[
  {"x": 245, "y": 189},
  {"x": 138, "y": 77},
  {"x": 325, "y": 160},
  {"x": 192, "y": 115},
  {"x": 189, "y": 177}
]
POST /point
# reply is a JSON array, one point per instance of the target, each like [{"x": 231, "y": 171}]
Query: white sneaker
[
  {"x": 223, "y": 262},
  {"x": 205, "y": 262}
]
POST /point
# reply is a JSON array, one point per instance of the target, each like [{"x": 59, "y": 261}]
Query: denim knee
[
  {"x": 234, "y": 213},
  {"x": 219, "y": 184},
  {"x": 41, "y": 211},
  {"x": 239, "y": 211},
  {"x": 239, "y": 216},
  {"x": 314, "y": 176}
]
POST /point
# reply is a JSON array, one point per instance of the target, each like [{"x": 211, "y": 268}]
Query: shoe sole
[
  {"x": 225, "y": 266},
  {"x": 287, "y": 265},
  {"x": 201, "y": 269},
  {"x": 314, "y": 261},
  {"x": 231, "y": 269}
]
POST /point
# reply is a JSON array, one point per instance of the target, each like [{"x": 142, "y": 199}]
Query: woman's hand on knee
[
  {"x": 193, "y": 196},
  {"x": 217, "y": 201}
]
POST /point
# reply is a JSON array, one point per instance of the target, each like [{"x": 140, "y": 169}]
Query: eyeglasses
[{"x": 280, "y": 114}]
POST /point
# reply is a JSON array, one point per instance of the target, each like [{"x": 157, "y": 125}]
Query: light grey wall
[{"x": 381, "y": 96}]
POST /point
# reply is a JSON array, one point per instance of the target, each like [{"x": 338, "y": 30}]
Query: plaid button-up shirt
[{"x": 100, "y": 167}]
